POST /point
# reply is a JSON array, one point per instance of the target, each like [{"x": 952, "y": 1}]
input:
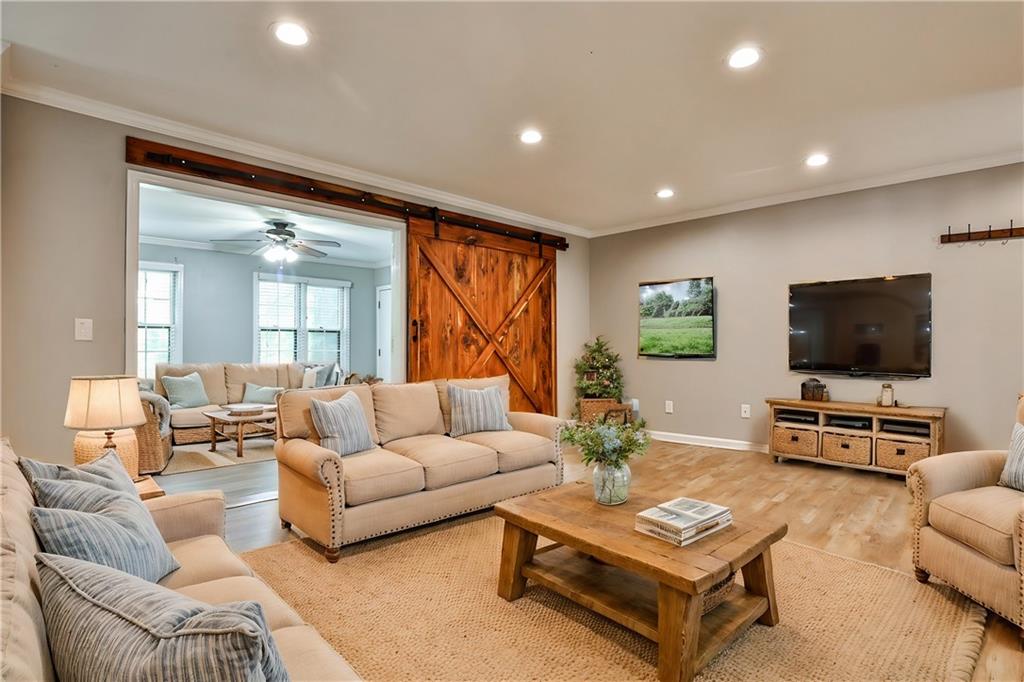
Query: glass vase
[{"x": 611, "y": 484}]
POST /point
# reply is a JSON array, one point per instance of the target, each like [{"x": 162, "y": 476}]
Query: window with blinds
[
  {"x": 301, "y": 319},
  {"x": 159, "y": 316}
]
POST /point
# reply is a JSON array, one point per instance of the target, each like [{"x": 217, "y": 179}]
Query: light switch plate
[
  {"x": 83, "y": 329},
  {"x": 744, "y": 411},
  {"x": 669, "y": 407}
]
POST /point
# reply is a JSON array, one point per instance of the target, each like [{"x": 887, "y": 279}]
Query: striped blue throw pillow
[
  {"x": 90, "y": 522},
  {"x": 103, "y": 624},
  {"x": 342, "y": 424},
  {"x": 1013, "y": 470},
  {"x": 475, "y": 410},
  {"x": 106, "y": 470}
]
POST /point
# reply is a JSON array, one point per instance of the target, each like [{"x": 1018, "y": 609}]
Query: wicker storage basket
[
  {"x": 893, "y": 454},
  {"x": 718, "y": 593},
  {"x": 848, "y": 449},
  {"x": 803, "y": 442},
  {"x": 592, "y": 409}
]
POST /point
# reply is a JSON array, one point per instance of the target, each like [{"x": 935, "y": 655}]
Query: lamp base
[{"x": 90, "y": 445}]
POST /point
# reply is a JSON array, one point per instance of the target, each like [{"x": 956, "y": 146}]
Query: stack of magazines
[{"x": 683, "y": 520}]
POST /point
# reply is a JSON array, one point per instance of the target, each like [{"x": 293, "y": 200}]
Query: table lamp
[{"x": 104, "y": 408}]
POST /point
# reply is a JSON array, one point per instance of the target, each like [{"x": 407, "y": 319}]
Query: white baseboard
[{"x": 708, "y": 441}]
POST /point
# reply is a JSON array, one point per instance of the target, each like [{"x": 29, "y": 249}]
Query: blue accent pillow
[
  {"x": 341, "y": 424},
  {"x": 97, "y": 524},
  {"x": 103, "y": 624},
  {"x": 107, "y": 470},
  {"x": 186, "y": 391},
  {"x": 475, "y": 410},
  {"x": 263, "y": 395}
]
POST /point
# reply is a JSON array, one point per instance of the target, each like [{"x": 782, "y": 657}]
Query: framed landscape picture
[{"x": 677, "y": 318}]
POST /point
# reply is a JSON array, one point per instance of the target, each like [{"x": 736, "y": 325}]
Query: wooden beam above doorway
[{"x": 165, "y": 157}]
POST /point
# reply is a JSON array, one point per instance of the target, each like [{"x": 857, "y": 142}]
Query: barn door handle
[
  {"x": 415, "y": 330},
  {"x": 795, "y": 439},
  {"x": 901, "y": 451},
  {"x": 844, "y": 446}
]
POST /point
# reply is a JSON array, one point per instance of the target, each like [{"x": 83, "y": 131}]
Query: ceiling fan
[{"x": 280, "y": 245}]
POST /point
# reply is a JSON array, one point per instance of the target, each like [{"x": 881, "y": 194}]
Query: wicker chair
[{"x": 154, "y": 449}]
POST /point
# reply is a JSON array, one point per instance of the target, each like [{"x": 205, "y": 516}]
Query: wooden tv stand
[{"x": 856, "y": 435}]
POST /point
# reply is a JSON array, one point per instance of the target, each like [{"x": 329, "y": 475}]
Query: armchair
[{"x": 968, "y": 530}]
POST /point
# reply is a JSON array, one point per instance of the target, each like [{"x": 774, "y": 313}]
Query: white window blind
[
  {"x": 159, "y": 316},
  {"x": 302, "y": 319}
]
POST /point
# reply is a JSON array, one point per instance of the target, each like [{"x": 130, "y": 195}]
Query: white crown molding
[
  {"x": 922, "y": 173},
  {"x": 708, "y": 441},
  {"x": 205, "y": 246},
  {"x": 60, "y": 99}
]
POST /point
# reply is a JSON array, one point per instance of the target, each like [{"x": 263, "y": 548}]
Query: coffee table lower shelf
[{"x": 632, "y": 600}]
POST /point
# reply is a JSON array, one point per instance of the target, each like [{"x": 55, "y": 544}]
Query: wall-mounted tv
[
  {"x": 677, "y": 318},
  {"x": 862, "y": 327}
]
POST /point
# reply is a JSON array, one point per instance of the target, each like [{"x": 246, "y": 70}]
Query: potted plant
[
  {"x": 609, "y": 446},
  {"x": 598, "y": 380}
]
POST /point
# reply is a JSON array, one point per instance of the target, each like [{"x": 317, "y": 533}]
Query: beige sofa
[
  {"x": 968, "y": 530},
  {"x": 193, "y": 527},
  {"x": 415, "y": 474},
  {"x": 224, "y": 383}
]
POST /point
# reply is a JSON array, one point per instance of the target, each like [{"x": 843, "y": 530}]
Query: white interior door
[{"x": 384, "y": 325}]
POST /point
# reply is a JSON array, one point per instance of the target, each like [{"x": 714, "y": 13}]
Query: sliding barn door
[{"x": 481, "y": 305}]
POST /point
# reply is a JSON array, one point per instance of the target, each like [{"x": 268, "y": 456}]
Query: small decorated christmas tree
[{"x": 597, "y": 372}]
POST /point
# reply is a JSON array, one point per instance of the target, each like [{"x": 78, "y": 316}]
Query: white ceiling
[
  {"x": 630, "y": 97},
  {"x": 177, "y": 218}
]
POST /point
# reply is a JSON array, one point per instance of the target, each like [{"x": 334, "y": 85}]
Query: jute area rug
[
  {"x": 422, "y": 606},
  {"x": 197, "y": 456}
]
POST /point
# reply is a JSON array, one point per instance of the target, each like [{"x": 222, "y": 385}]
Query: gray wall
[
  {"x": 63, "y": 250},
  {"x": 218, "y": 303},
  {"x": 754, "y": 256}
]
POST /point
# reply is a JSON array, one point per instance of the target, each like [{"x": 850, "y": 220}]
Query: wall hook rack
[{"x": 1002, "y": 234}]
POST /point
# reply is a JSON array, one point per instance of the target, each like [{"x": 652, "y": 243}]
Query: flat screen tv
[
  {"x": 862, "y": 327},
  {"x": 677, "y": 318}
]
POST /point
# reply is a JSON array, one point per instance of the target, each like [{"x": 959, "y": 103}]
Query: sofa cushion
[
  {"x": 404, "y": 410},
  {"x": 238, "y": 374},
  {"x": 1013, "y": 471},
  {"x": 981, "y": 518},
  {"x": 501, "y": 381},
  {"x": 341, "y": 424},
  {"x": 294, "y": 419},
  {"x": 108, "y": 625},
  {"x": 203, "y": 559},
  {"x": 475, "y": 410},
  {"x": 24, "y": 651},
  {"x": 308, "y": 656},
  {"x": 447, "y": 461},
  {"x": 186, "y": 391},
  {"x": 191, "y": 417},
  {"x": 516, "y": 449},
  {"x": 106, "y": 470},
  {"x": 90, "y": 522},
  {"x": 264, "y": 395},
  {"x": 245, "y": 588},
  {"x": 378, "y": 474},
  {"x": 212, "y": 374}
]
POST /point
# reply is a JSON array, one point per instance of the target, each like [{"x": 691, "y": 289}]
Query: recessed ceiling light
[
  {"x": 816, "y": 159},
  {"x": 744, "y": 57},
  {"x": 665, "y": 193},
  {"x": 291, "y": 33},
  {"x": 530, "y": 136}
]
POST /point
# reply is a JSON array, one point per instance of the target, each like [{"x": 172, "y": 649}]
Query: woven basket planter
[
  {"x": 592, "y": 409},
  {"x": 718, "y": 593}
]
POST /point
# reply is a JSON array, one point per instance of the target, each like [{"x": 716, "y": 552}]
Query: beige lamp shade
[{"x": 104, "y": 403}]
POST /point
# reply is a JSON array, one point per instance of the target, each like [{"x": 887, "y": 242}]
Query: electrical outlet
[
  {"x": 744, "y": 411},
  {"x": 668, "y": 407},
  {"x": 636, "y": 404},
  {"x": 83, "y": 329}
]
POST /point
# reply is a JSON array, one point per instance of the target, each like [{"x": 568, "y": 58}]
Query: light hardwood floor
[{"x": 857, "y": 514}]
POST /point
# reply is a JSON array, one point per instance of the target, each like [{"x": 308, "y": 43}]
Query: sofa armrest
[
  {"x": 316, "y": 463},
  {"x": 943, "y": 474},
  {"x": 533, "y": 422},
  {"x": 188, "y": 515}
]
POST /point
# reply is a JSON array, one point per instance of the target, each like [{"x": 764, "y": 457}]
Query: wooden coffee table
[
  {"x": 649, "y": 586},
  {"x": 233, "y": 428}
]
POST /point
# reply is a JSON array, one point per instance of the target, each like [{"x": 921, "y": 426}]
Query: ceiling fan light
[
  {"x": 290, "y": 256},
  {"x": 276, "y": 253}
]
